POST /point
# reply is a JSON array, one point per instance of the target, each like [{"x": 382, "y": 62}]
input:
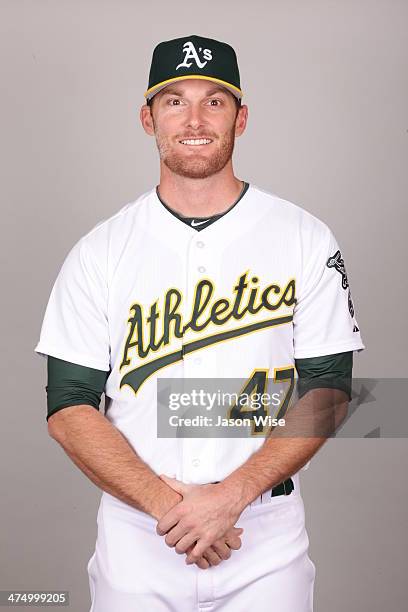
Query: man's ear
[
  {"x": 146, "y": 119},
  {"x": 241, "y": 120}
]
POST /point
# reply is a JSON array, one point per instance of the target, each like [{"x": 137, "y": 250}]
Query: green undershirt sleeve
[
  {"x": 70, "y": 384},
  {"x": 327, "y": 371}
]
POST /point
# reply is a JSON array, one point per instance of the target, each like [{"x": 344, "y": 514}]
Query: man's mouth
[{"x": 195, "y": 141}]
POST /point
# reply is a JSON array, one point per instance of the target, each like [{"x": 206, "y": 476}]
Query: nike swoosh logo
[{"x": 194, "y": 223}]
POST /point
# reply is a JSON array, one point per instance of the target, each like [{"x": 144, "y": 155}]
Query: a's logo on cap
[{"x": 191, "y": 54}]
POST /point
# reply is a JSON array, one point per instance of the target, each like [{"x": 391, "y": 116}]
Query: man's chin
[
  {"x": 197, "y": 168},
  {"x": 191, "y": 170}
]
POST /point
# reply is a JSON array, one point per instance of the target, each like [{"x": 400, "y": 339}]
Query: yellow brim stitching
[{"x": 193, "y": 76}]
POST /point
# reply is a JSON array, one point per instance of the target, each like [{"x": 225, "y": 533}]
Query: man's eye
[
  {"x": 173, "y": 100},
  {"x": 215, "y": 100}
]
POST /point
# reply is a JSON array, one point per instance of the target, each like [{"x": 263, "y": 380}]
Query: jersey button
[
  {"x": 201, "y": 269},
  {"x": 195, "y": 462},
  {"x": 200, "y": 244}
]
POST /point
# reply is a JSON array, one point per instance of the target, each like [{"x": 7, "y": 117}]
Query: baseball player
[{"x": 211, "y": 277}]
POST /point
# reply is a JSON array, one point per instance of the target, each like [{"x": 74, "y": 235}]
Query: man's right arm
[
  {"x": 96, "y": 446},
  {"x": 104, "y": 455}
]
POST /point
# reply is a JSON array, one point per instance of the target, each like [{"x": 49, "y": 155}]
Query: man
[{"x": 205, "y": 276}]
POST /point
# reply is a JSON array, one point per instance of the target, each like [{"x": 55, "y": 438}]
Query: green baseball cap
[{"x": 193, "y": 57}]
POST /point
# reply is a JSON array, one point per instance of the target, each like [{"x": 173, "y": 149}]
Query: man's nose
[{"x": 195, "y": 117}]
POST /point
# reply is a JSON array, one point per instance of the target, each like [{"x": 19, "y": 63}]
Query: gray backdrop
[{"x": 326, "y": 86}]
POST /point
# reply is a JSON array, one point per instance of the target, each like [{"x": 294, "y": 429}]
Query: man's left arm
[
  {"x": 311, "y": 421},
  {"x": 324, "y": 323},
  {"x": 324, "y": 387}
]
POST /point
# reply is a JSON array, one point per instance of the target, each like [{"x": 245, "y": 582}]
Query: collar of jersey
[{"x": 224, "y": 225}]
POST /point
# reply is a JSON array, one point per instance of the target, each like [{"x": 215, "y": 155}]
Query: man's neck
[{"x": 199, "y": 197}]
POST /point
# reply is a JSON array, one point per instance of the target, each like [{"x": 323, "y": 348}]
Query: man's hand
[
  {"x": 213, "y": 555},
  {"x": 220, "y": 550},
  {"x": 204, "y": 516}
]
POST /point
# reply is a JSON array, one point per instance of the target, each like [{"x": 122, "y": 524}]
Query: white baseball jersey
[{"x": 144, "y": 295}]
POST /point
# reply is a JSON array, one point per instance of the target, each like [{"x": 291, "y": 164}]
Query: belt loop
[{"x": 284, "y": 488}]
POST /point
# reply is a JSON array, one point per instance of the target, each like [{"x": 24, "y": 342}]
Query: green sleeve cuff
[
  {"x": 70, "y": 384},
  {"x": 326, "y": 371}
]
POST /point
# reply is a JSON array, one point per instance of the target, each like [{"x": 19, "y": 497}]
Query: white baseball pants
[{"x": 133, "y": 569}]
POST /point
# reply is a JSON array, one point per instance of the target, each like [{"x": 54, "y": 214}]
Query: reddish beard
[{"x": 197, "y": 165}]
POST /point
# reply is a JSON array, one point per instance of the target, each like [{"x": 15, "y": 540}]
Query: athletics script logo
[
  {"x": 191, "y": 55},
  {"x": 155, "y": 329}
]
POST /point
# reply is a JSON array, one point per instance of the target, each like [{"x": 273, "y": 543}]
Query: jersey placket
[{"x": 198, "y": 454}]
